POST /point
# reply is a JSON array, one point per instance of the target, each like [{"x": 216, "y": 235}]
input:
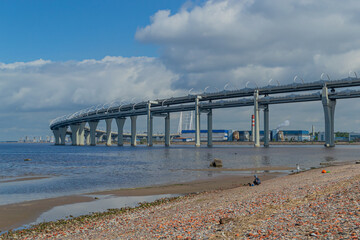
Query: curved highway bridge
[{"x": 260, "y": 98}]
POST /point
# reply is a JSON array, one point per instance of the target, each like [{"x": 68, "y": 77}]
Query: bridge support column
[
  {"x": 75, "y": 134},
  {"x": 167, "y": 130},
  {"x": 93, "y": 126},
  {"x": 108, "y": 131},
  {"x": 266, "y": 126},
  {"x": 56, "y": 133},
  {"x": 82, "y": 134},
  {"x": 209, "y": 130},
  {"x": 133, "y": 130},
  {"x": 100, "y": 137},
  {"x": 257, "y": 122},
  {"x": 120, "y": 124},
  {"x": 329, "y": 114},
  {"x": 149, "y": 126},
  {"x": 87, "y": 138},
  {"x": 197, "y": 122},
  {"x": 62, "y": 132}
]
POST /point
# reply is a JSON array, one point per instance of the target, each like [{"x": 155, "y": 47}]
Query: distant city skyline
[{"x": 58, "y": 57}]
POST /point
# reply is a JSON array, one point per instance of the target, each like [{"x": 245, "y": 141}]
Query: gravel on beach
[{"x": 308, "y": 205}]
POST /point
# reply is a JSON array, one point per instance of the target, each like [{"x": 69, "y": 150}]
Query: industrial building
[
  {"x": 275, "y": 135},
  {"x": 219, "y": 135},
  {"x": 290, "y": 135},
  {"x": 354, "y": 137}
]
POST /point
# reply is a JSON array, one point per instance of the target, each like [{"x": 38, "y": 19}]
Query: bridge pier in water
[
  {"x": 149, "y": 126},
  {"x": 167, "y": 130},
  {"x": 82, "y": 134},
  {"x": 197, "y": 122},
  {"x": 93, "y": 125},
  {"x": 329, "y": 114},
  {"x": 133, "y": 130},
  {"x": 209, "y": 130},
  {"x": 87, "y": 138},
  {"x": 56, "y": 133},
  {"x": 75, "y": 134},
  {"x": 120, "y": 124},
  {"x": 266, "y": 125},
  {"x": 108, "y": 131},
  {"x": 257, "y": 120},
  {"x": 62, "y": 131}
]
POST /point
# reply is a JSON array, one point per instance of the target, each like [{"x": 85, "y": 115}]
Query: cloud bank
[
  {"x": 236, "y": 41},
  {"x": 44, "y": 84}
]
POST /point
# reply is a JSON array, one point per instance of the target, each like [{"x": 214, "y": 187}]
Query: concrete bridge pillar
[
  {"x": 75, "y": 134},
  {"x": 93, "y": 126},
  {"x": 82, "y": 134},
  {"x": 329, "y": 114},
  {"x": 266, "y": 125},
  {"x": 257, "y": 120},
  {"x": 210, "y": 127},
  {"x": 57, "y": 136},
  {"x": 133, "y": 130},
  {"x": 87, "y": 138},
  {"x": 149, "y": 126},
  {"x": 108, "y": 131},
  {"x": 120, "y": 124},
  {"x": 100, "y": 137},
  {"x": 167, "y": 130},
  {"x": 197, "y": 122},
  {"x": 62, "y": 132}
]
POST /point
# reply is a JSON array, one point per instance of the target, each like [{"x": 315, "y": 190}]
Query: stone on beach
[{"x": 216, "y": 163}]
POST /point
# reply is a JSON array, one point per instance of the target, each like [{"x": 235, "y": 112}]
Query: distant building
[
  {"x": 296, "y": 135},
  {"x": 277, "y": 135},
  {"x": 217, "y": 135},
  {"x": 355, "y": 137}
]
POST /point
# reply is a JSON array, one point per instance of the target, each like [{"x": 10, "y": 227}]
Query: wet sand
[
  {"x": 24, "y": 179},
  {"x": 18, "y": 214}
]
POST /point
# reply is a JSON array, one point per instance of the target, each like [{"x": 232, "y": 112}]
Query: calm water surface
[{"x": 74, "y": 170}]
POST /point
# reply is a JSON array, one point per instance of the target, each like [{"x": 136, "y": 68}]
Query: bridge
[
  {"x": 99, "y": 134},
  {"x": 323, "y": 90}
]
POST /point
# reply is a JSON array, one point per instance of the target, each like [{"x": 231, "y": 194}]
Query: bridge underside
[{"x": 205, "y": 103}]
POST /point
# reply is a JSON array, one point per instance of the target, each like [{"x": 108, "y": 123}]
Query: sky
[{"x": 57, "y": 57}]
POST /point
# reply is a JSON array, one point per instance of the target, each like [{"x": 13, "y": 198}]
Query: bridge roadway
[{"x": 260, "y": 98}]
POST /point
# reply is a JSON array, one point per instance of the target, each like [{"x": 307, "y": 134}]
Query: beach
[
  {"x": 310, "y": 204},
  {"x": 19, "y": 214}
]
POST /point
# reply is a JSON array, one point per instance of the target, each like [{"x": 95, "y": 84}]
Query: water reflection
[
  {"x": 329, "y": 159},
  {"x": 266, "y": 160}
]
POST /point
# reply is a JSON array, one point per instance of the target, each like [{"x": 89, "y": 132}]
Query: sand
[
  {"x": 307, "y": 205},
  {"x": 16, "y": 215}
]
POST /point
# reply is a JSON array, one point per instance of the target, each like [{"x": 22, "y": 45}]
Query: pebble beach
[{"x": 305, "y": 205}]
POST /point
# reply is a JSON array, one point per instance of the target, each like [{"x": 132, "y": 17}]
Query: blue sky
[
  {"x": 57, "y": 57},
  {"x": 75, "y": 30}
]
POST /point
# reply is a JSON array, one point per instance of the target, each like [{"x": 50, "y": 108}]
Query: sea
[{"x": 54, "y": 171}]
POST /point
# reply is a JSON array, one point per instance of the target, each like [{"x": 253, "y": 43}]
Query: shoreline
[
  {"x": 16, "y": 215},
  {"x": 299, "y": 205},
  {"x": 204, "y": 143}
]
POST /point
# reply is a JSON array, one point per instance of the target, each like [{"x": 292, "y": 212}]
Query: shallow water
[
  {"x": 103, "y": 204},
  {"x": 74, "y": 170}
]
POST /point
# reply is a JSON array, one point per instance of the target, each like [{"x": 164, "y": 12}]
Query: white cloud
[
  {"x": 278, "y": 38},
  {"x": 45, "y": 84}
]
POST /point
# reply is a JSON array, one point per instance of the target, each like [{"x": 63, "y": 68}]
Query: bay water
[{"x": 68, "y": 170}]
